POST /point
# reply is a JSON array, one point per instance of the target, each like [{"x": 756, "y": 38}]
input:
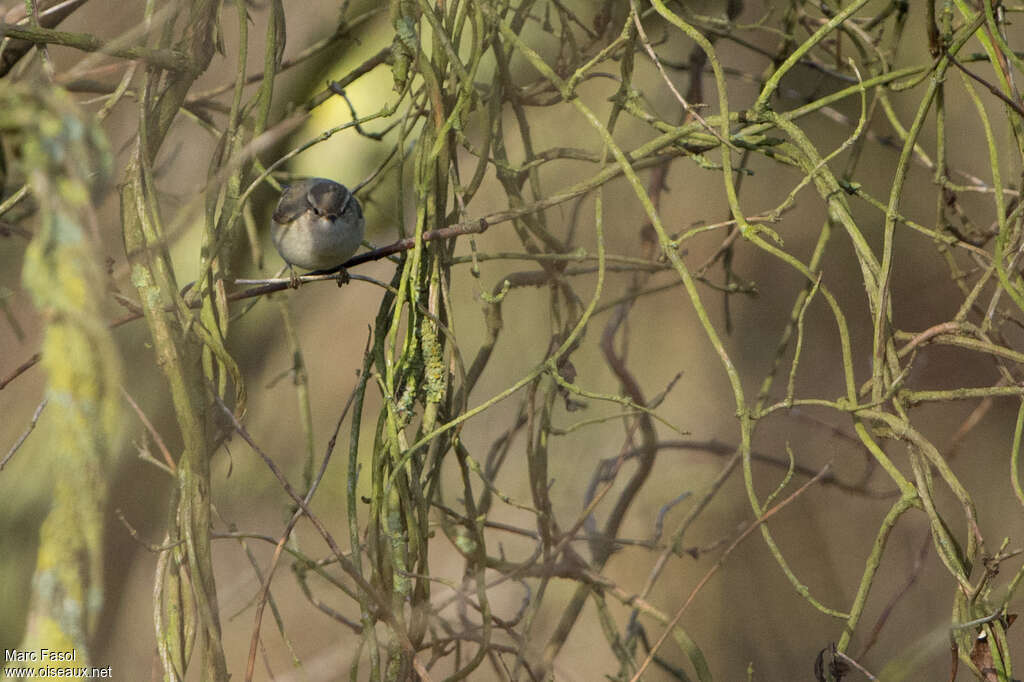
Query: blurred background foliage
[{"x": 715, "y": 373}]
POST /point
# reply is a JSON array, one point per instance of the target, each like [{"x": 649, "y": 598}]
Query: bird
[{"x": 318, "y": 224}]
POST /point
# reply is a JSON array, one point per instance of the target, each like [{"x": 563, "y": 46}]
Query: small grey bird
[{"x": 317, "y": 224}]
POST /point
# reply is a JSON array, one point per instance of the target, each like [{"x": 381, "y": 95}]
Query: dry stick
[
  {"x": 930, "y": 333},
  {"x": 718, "y": 564},
  {"x": 21, "y": 369},
  {"x": 722, "y": 449},
  {"x": 991, "y": 88},
  {"x": 24, "y": 436},
  {"x": 855, "y": 664},
  {"x": 161, "y": 445}
]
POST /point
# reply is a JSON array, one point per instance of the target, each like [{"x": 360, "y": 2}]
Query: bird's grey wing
[{"x": 293, "y": 203}]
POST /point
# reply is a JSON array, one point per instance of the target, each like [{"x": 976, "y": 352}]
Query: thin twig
[{"x": 24, "y": 436}]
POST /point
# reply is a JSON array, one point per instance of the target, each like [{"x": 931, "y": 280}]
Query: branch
[{"x": 171, "y": 60}]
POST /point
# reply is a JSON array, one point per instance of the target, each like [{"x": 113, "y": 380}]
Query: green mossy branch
[{"x": 67, "y": 161}]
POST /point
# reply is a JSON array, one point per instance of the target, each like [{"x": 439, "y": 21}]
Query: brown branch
[
  {"x": 991, "y": 88},
  {"x": 271, "y": 286},
  {"x": 24, "y": 435},
  {"x": 21, "y": 369}
]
